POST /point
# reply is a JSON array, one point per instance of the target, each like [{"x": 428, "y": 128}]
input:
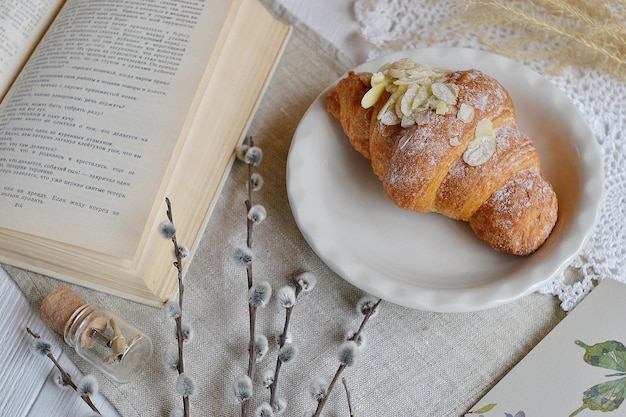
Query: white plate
[{"x": 427, "y": 261}]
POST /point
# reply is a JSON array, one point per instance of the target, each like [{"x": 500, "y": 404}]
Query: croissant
[{"x": 448, "y": 142}]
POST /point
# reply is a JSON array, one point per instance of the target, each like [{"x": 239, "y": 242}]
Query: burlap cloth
[{"x": 415, "y": 363}]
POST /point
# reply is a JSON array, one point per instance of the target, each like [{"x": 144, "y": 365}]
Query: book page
[
  {"x": 22, "y": 23},
  {"x": 91, "y": 123}
]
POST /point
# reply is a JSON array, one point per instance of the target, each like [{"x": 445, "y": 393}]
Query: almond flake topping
[
  {"x": 483, "y": 146},
  {"x": 466, "y": 113},
  {"x": 414, "y": 89}
]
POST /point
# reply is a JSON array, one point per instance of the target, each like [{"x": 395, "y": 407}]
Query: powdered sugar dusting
[
  {"x": 457, "y": 167},
  {"x": 522, "y": 212},
  {"x": 444, "y": 138}
]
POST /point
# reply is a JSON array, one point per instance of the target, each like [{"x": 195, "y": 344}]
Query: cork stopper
[{"x": 58, "y": 308}]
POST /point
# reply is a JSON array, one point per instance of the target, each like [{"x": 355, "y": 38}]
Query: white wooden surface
[{"x": 27, "y": 388}]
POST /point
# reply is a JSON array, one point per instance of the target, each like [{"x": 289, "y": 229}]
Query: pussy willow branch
[
  {"x": 251, "y": 309},
  {"x": 369, "y": 314},
  {"x": 180, "y": 367},
  {"x": 322, "y": 402},
  {"x": 341, "y": 368},
  {"x": 67, "y": 379},
  {"x": 348, "y": 396},
  {"x": 245, "y": 405},
  {"x": 283, "y": 339}
]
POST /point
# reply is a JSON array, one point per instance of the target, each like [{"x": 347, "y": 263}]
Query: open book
[{"x": 109, "y": 107}]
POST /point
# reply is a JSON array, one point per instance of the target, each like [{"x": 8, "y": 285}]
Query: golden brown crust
[
  {"x": 506, "y": 200},
  {"x": 519, "y": 216},
  {"x": 347, "y": 107},
  {"x": 424, "y": 155},
  {"x": 466, "y": 187}
]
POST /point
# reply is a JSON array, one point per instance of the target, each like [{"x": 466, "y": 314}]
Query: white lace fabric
[{"x": 392, "y": 25}]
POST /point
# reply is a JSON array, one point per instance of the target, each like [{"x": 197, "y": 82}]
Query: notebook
[{"x": 578, "y": 369}]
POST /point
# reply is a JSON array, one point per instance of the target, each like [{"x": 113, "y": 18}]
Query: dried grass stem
[{"x": 588, "y": 33}]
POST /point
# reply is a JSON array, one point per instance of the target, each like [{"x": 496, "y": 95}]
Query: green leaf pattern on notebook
[
  {"x": 484, "y": 409},
  {"x": 608, "y": 395},
  {"x": 487, "y": 408}
]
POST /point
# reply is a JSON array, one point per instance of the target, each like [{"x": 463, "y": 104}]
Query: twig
[
  {"x": 283, "y": 339},
  {"x": 65, "y": 377},
  {"x": 245, "y": 405},
  {"x": 348, "y": 396},
  {"x": 178, "y": 264},
  {"x": 369, "y": 314},
  {"x": 259, "y": 293},
  {"x": 355, "y": 337},
  {"x": 322, "y": 402}
]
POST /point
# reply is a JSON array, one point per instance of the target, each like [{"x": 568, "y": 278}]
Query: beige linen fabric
[{"x": 414, "y": 363}]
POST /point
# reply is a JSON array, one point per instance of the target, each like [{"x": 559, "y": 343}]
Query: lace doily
[{"x": 392, "y": 25}]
